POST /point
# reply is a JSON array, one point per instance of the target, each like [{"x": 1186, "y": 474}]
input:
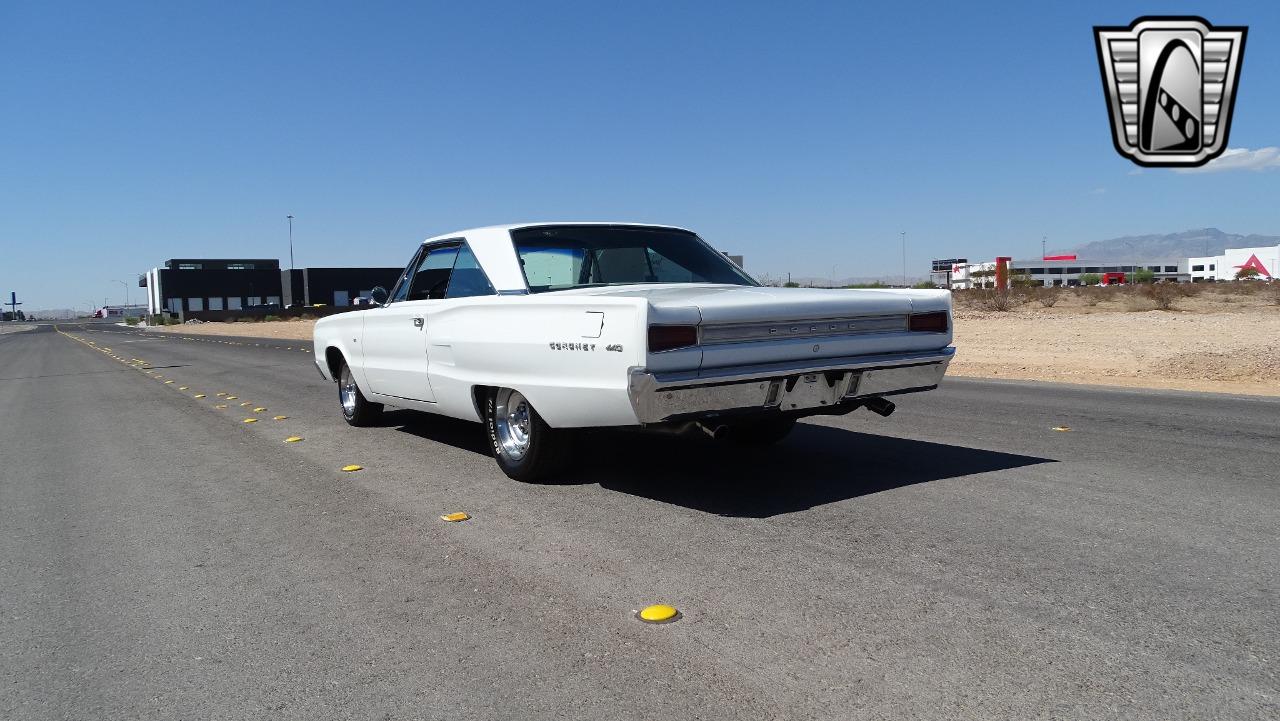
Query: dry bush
[
  {"x": 1190, "y": 290},
  {"x": 1245, "y": 287},
  {"x": 997, "y": 301},
  {"x": 1273, "y": 293},
  {"x": 1162, "y": 295},
  {"x": 1048, "y": 297}
]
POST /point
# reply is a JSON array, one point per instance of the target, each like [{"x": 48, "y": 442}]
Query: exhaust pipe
[
  {"x": 880, "y": 406},
  {"x": 717, "y": 432}
]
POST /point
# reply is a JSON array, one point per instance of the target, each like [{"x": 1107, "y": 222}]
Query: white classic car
[{"x": 538, "y": 329}]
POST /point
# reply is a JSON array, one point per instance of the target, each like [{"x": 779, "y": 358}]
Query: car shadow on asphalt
[{"x": 814, "y": 466}]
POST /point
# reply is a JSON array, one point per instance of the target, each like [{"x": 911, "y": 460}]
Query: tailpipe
[
  {"x": 880, "y": 406},
  {"x": 718, "y": 432}
]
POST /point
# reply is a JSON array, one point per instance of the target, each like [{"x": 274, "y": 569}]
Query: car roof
[{"x": 507, "y": 227}]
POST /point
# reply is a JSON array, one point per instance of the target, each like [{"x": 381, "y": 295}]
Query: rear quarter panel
[{"x": 570, "y": 356}]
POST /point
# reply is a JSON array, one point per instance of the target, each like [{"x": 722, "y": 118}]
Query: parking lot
[{"x": 992, "y": 550}]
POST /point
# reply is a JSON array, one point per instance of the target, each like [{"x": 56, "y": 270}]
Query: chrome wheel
[
  {"x": 347, "y": 392},
  {"x": 512, "y": 423}
]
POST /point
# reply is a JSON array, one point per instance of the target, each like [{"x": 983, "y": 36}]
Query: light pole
[
  {"x": 290, "y": 242},
  {"x": 904, "y": 258},
  {"x": 1043, "y": 253},
  {"x": 833, "y": 275},
  {"x": 126, "y": 294}
]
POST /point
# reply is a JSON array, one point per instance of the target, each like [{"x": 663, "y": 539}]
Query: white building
[{"x": 1265, "y": 260}]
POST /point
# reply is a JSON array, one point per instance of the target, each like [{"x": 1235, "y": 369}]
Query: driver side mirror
[{"x": 378, "y": 294}]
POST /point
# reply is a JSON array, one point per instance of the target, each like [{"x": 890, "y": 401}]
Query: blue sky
[{"x": 803, "y": 135}]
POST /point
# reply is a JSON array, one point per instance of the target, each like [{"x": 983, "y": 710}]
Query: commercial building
[
  {"x": 216, "y": 287},
  {"x": 1063, "y": 270},
  {"x": 1264, "y": 260}
]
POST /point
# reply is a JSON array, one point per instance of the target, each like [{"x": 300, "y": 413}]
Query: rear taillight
[
  {"x": 929, "y": 323},
  {"x": 670, "y": 337}
]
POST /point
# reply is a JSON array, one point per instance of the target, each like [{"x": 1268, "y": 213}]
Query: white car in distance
[{"x": 538, "y": 329}]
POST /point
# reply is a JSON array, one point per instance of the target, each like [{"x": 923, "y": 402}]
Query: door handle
[{"x": 417, "y": 322}]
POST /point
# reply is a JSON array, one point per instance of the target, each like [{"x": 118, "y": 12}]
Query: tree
[
  {"x": 1090, "y": 279},
  {"x": 1143, "y": 275},
  {"x": 791, "y": 284},
  {"x": 1246, "y": 274}
]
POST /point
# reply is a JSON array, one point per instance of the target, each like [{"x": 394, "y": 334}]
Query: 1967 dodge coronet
[{"x": 538, "y": 329}]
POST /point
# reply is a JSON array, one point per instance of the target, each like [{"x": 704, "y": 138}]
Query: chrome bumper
[{"x": 815, "y": 387}]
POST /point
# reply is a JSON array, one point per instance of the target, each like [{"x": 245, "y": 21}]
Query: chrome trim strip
[
  {"x": 514, "y": 291},
  {"x": 802, "y": 328},
  {"x": 857, "y": 362}
]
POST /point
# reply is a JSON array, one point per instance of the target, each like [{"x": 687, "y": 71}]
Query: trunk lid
[{"x": 745, "y": 325}]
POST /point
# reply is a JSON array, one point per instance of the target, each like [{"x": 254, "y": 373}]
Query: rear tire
[
  {"x": 525, "y": 447},
  {"x": 356, "y": 409},
  {"x": 764, "y": 432}
]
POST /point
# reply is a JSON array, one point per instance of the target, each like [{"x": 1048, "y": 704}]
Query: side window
[
  {"x": 431, "y": 278},
  {"x": 401, "y": 291},
  {"x": 468, "y": 278}
]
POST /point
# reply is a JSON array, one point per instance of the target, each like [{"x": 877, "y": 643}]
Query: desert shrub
[
  {"x": 1090, "y": 279},
  {"x": 1091, "y": 296},
  {"x": 271, "y": 318},
  {"x": 1190, "y": 290},
  {"x": 1162, "y": 295},
  {"x": 791, "y": 284},
  {"x": 1048, "y": 297},
  {"x": 307, "y": 316},
  {"x": 998, "y": 301},
  {"x": 1273, "y": 293},
  {"x": 131, "y": 320},
  {"x": 1245, "y": 287},
  {"x": 229, "y": 319},
  {"x": 172, "y": 321},
  {"x": 1143, "y": 275}
]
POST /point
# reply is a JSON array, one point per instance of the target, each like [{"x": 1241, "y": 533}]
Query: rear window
[{"x": 564, "y": 257}]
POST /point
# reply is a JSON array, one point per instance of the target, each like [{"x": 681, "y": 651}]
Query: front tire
[
  {"x": 356, "y": 409},
  {"x": 525, "y": 447}
]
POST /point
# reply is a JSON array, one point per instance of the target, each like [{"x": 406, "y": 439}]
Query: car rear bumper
[{"x": 819, "y": 386}]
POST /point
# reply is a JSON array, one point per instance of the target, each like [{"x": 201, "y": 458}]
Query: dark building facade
[
  {"x": 189, "y": 287},
  {"x": 338, "y": 287}
]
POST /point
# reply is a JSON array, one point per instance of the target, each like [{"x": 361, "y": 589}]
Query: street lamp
[
  {"x": 904, "y": 258},
  {"x": 126, "y": 294},
  {"x": 290, "y": 217}
]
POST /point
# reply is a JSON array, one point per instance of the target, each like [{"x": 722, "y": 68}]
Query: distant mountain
[{"x": 1172, "y": 246}]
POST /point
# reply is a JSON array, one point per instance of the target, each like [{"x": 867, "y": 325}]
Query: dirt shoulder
[
  {"x": 1222, "y": 340},
  {"x": 281, "y": 329}
]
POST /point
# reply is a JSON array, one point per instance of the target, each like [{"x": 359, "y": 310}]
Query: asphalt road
[{"x": 164, "y": 560}]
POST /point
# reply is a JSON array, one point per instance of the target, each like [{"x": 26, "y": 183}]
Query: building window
[
  {"x": 1197, "y": 269},
  {"x": 1055, "y": 271},
  {"x": 195, "y": 303},
  {"x": 215, "y": 304},
  {"x": 1153, "y": 268},
  {"x": 1035, "y": 271},
  {"x": 233, "y": 304},
  {"x": 175, "y": 305},
  {"x": 255, "y": 300},
  {"x": 1074, "y": 271},
  {"x": 1093, "y": 270},
  {"x": 1213, "y": 267},
  {"x": 273, "y": 300},
  {"x": 341, "y": 299}
]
